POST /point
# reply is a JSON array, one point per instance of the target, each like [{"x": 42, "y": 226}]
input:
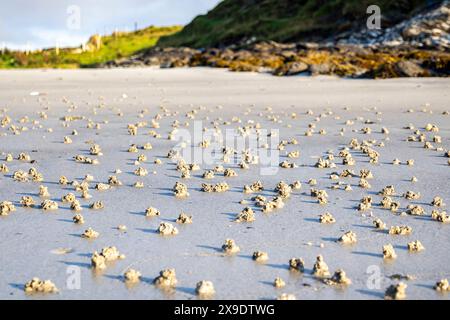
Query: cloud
[
  {"x": 42, "y": 23},
  {"x": 63, "y": 38}
]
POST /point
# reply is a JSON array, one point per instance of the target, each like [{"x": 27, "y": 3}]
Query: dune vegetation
[{"x": 98, "y": 50}]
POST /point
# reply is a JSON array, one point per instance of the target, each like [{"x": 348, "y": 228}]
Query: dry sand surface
[{"x": 102, "y": 103}]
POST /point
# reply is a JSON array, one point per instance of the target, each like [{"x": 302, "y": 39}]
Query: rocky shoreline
[{"x": 309, "y": 59}]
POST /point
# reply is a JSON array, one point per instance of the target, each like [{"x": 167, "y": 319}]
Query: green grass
[
  {"x": 113, "y": 47},
  {"x": 284, "y": 20}
]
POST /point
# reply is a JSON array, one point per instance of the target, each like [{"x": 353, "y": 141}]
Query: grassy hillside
[
  {"x": 119, "y": 45},
  {"x": 285, "y": 20}
]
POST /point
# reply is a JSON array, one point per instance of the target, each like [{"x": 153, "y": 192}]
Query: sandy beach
[{"x": 48, "y": 245}]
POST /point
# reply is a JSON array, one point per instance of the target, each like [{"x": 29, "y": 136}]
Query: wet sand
[{"x": 29, "y": 236}]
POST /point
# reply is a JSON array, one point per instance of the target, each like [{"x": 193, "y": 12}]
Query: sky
[{"x": 34, "y": 24}]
